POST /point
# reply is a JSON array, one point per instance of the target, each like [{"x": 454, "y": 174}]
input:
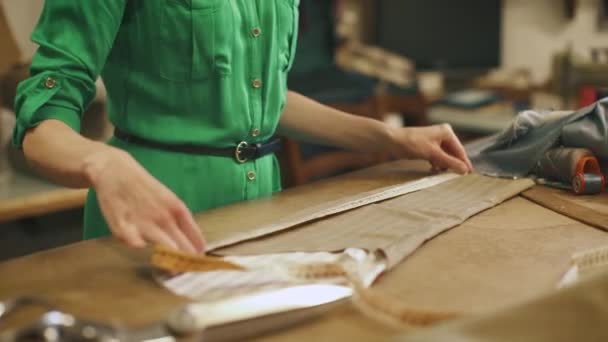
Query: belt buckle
[{"x": 238, "y": 150}]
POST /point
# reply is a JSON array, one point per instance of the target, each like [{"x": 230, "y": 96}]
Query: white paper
[{"x": 271, "y": 271}]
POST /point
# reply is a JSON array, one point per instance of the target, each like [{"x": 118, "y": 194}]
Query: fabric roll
[
  {"x": 516, "y": 151},
  {"x": 559, "y": 164}
]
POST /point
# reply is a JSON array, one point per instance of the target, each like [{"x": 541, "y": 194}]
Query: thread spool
[
  {"x": 588, "y": 178},
  {"x": 588, "y": 184},
  {"x": 560, "y": 164},
  {"x": 571, "y": 168}
]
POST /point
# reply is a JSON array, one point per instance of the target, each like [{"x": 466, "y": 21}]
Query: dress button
[
  {"x": 256, "y": 83},
  {"x": 256, "y": 32},
  {"x": 251, "y": 175},
  {"x": 50, "y": 83},
  {"x": 255, "y": 132}
]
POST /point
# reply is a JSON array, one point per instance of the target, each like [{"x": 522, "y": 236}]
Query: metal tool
[
  {"x": 10, "y": 305},
  {"x": 230, "y": 319},
  {"x": 250, "y": 315},
  {"x": 55, "y": 326}
]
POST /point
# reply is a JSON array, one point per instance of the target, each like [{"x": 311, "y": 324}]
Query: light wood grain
[
  {"x": 592, "y": 209},
  {"x": 40, "y": 204},
  {"x": 508, "y": 254}
]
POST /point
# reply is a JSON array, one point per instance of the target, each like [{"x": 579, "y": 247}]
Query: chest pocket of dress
[
  {"x": 195, "y": 37},
  {"x": 287, "y": 33}
]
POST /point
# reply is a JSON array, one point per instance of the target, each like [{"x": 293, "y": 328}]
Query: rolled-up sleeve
[{"x": 74, "y": 38}]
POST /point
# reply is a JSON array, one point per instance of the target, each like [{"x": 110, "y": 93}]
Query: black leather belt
[{"x": 242, "y": 152}]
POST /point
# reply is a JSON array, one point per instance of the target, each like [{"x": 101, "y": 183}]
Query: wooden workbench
[
  {"x": 508, "y": 254},
  {"x": 23, "y": 196}
]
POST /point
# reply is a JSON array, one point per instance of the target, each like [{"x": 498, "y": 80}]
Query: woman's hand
[
  {"x": 307, "y": 120},
  {"x": 438, "y": 144},
  {"x": 137, "y": 207}
]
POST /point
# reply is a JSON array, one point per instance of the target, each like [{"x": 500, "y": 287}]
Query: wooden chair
[
  {"x": 10, "y": 51},
  {"x": 306, "y": 162},
  {"x": 316, "y": 75}
]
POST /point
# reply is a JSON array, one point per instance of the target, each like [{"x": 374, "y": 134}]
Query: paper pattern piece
[
  {"x": 334, "y": 207},
  {"x": 396, "y": 226},
  {"x": 584, "y": 265},
  {"x": 217, "y": 292},
  {"x": 381, "y": 232},
  {"x": 271, "y": 271},
  {"x": 267, "y": 271}
]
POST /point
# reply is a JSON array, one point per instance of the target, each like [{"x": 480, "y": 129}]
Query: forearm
[
  {"x": 59, "y": 153},
  {"x": 306, "y": 120}
]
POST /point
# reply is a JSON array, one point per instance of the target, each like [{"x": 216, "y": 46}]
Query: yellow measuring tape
[
  {"x": 585, "y": 264},
  {"x": 372, "y": 303},
  {"x": 173, "y": 261},
  {"x": 592, "y": 259}
]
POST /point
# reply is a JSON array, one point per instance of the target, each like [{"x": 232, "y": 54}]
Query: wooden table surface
[
  {"x": 23, "y": 196},
  {"x": 505, "y": 255}
]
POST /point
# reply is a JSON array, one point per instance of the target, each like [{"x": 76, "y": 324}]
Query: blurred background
[{"x": 471, "y": 63}]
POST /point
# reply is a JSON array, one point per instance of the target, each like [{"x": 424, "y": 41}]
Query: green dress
[{"x": 210, "y": 72}]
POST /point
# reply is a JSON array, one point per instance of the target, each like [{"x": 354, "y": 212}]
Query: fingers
[
  {"x": 167, "y": 233},
  {"x": 451, "y": 144},
  {"x": 136, "y": 230},
  {"x": 190, "y": 228},
  {"x": 121, "y": 226},
  {"x": 179, "y": 238},
  {"x": 137, "y": 235},
  {"x": 139, "y": 209},
  {"x": 155, "y": 234},
  {"x": 130, "y": 235},
  {"x": 440, "y": 159},
  {"x": 178, "y": 225},
  {"x": 437, "y": 169}
]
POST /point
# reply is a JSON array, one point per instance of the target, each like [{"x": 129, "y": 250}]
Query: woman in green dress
[{"x": 196, "y": 89}]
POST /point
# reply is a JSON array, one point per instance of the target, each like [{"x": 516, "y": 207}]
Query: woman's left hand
[{"x": 437, "y": 144}]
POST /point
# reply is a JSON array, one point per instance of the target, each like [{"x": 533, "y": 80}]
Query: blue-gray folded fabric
[{"x": 516, "y": 151}]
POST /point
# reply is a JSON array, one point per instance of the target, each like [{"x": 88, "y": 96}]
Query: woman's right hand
[{"x": 137, "y": 207}]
